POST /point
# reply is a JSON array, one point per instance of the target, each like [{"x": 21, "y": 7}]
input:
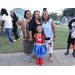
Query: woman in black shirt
[
  {"x": 34, "y": 22},
  {"x": 15, "y": 22}
]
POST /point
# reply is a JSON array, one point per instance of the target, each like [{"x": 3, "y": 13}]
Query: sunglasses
[{"x": 39, "y": 28}]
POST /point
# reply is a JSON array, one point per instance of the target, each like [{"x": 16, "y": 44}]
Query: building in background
[
  {"x": 67, "y": 18},
  {"x": 19, "y": 12}
]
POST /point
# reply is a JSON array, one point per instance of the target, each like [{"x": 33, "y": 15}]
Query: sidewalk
[{"x": 18, "y": 59}]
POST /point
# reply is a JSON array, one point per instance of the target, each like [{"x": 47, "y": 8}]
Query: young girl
[{"x": 39, "y": 47}]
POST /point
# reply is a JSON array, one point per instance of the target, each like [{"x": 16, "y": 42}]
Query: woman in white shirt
[
  {"x": 49, "y": 31},
  {"x": 7, "y": 22}
]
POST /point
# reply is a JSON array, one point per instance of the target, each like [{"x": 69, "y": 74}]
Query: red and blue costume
[{"x": 40, "y": 48}]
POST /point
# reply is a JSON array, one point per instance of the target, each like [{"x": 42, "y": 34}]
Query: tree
[
  {"x": 53, "y": 15},
  {"x": 69, "y": 12}
]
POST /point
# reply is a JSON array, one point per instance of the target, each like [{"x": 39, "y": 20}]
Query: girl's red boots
[
  {"x": 41, "y": 61},
  {"x": 37, "y": 61}
]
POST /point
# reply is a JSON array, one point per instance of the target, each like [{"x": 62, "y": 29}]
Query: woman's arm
[
  {"x": 30, "y": 34},
  {"x": 54, "y": 30},
  {"x": 18, "y": 21},
  {"x": 23, "y": 29},
  {"x": 30, "y": 30},
  {"x": 70, "y": 30},
  {"x": 2, "y": 25}
]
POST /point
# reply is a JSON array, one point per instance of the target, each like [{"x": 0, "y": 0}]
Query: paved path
[
  {"x": 18, "y": 59},
  {"x": 62, "y": 26}
]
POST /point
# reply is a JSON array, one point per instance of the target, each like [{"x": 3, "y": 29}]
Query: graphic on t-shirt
[{"x": 39, "y": 39}]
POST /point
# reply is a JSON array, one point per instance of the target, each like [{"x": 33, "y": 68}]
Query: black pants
[{"x": 15, "y": 32}]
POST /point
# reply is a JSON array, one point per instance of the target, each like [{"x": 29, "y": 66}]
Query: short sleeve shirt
[
  {"x": 70, "y": 23},
  {"x": 8, "y": 21}
]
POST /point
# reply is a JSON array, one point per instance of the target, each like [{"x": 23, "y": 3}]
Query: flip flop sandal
[
  {"x": 50, "y": 59},
  {"x": 34, "y": 57}
]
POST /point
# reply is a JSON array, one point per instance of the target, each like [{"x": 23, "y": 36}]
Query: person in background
[
  {"x": 15, "y": 23},
  {"x": 27, "y": 45},
  {"x": 7, "y": 22},
  {"x": 49, "y": 31},
  {"x": 73, "y": 38},
  {"x": 69, "y": 41}
]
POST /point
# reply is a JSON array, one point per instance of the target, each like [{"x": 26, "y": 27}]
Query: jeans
[{"x": 8, "y": 32}]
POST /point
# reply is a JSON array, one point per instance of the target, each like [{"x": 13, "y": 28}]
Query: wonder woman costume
[{"x": 39, "y": 48}]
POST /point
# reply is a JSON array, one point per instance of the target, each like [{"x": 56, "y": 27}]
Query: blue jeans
[{"x": 8, "y": 32}]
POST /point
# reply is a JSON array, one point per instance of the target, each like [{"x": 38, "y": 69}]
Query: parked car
[{"x": 57, "y": 22}]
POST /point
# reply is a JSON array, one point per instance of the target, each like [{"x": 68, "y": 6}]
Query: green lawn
[
  {"x": 6, "y": 48},
  {"x": 60, "y": 43},
  {"x": 61, "y": 38}
]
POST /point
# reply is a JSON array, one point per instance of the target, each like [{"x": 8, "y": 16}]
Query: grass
[
  {"x": 0, "y": 24},
  {"x": 6, "y": 48},
  {"x": 60, "y": 43},
  {"x": 61, "y": 38}
]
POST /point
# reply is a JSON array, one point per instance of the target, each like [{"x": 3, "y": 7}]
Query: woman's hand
[
  {"x": 12, "y": 28},
  {"x": 53, "y": 39},
  {"x": 25, "y": 38},
  {"x": 70, "y": 31},
  {"x": 31, "y": 39}
]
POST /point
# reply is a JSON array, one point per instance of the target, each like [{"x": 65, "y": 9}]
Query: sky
[{"x": 57, "y": 10}]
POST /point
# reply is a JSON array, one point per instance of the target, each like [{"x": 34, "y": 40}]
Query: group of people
[
  {"x": 38, "y": 35},
  {"x": 10, "y": 23}
]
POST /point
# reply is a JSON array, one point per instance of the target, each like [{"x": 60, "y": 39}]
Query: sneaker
[
  {"x": 18, "y": 38},
  {"x": 73, "y": 54},
  {"x": 67, "y": 52},
  {"x": 14, "y": 40}
]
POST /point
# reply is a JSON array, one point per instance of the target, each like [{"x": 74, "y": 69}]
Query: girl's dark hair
[
  {"x": 14, "y": 14},
  {"x": 34, "y": 15},
  {"x": 4, "y": 11},
  {"x": 45, "y": 9},
  {"x": 26, "y": 13}
]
